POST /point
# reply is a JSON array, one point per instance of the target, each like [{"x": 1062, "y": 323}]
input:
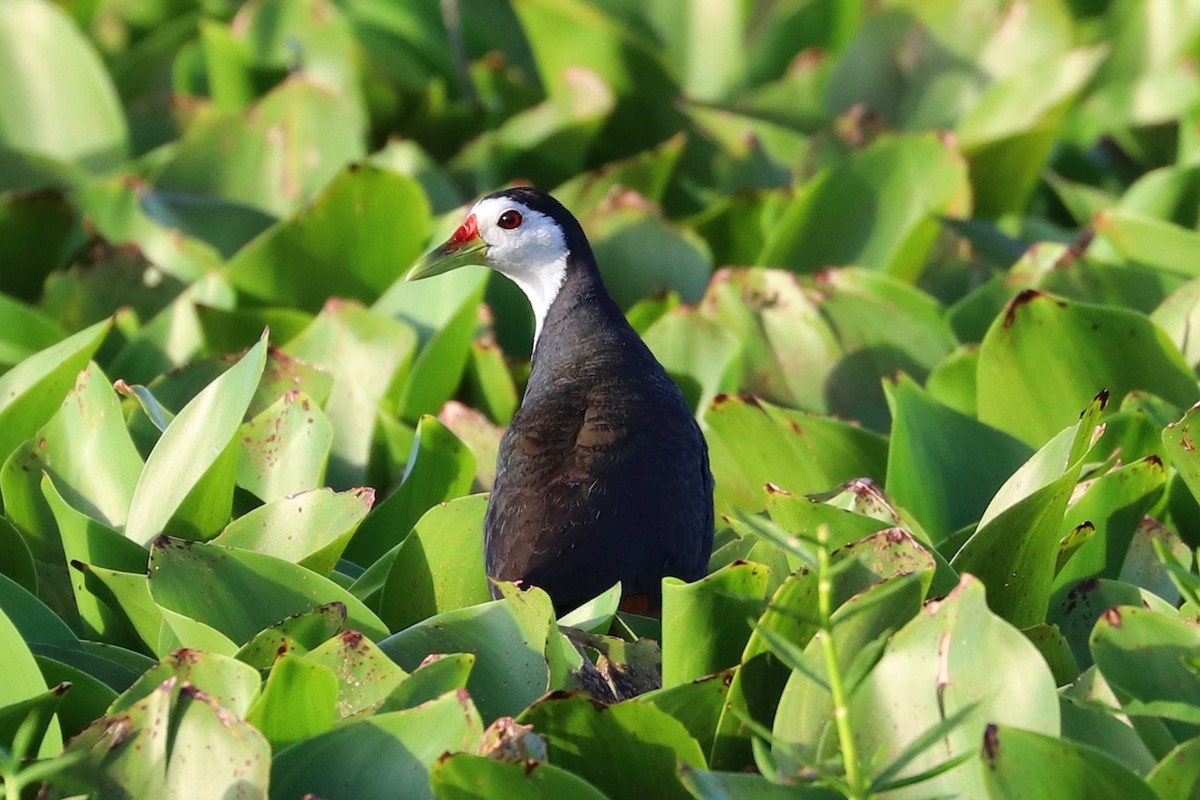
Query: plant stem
[{"x": 841, "y": 712}]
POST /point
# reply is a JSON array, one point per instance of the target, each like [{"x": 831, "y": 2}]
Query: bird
[{"x": 603, "y": 473}]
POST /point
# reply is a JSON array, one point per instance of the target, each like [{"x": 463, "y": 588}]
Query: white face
[{"x": 527, "y": 247}]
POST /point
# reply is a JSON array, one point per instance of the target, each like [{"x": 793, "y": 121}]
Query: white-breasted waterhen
[{"x": 603, "y": 473}]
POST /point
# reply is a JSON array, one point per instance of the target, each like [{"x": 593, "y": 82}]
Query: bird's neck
[{"x": 581, "y": 322}]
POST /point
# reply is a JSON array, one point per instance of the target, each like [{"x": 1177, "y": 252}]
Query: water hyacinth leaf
[
  {"x": 245, "y": 592},
  {"x": 1044, "y": 358},
  {"x": 86, "y": 541},
  {"x": 705, "y": 624},
  {"x": 380, "y": 756},
  {"x": 189, "y": 745},
  {"x": 698, "y": 354},
  {"x": 594, "y": 616},
  {"x": 1020, "y": 530},
  {"x": 30, "y": 392},
  {"x": 230, "y": 683},
  {"x": 1181, "y": 449},
  {"x": 24, "y": 330},
  {"x": 907, "y": 180},
  {"x": 34, "y": 231},
  {"x": 511, "y": 669},
  {"x": 365, "y": 353},
  {"x": 440, "y": 468},
  {"x": 439, "y": 565},
  {"x": 438, "y": 673},
  {"x": 463, "y": 776},
  {"x": 481, "y": 437},
  {"x": 366, "y": 677},
  {"x": 310, "y": 37},
  {"x": 933, "y": 469},
  {"x": 943, "y": 661},
  {"x": 284, "y": 449},
  {"x": 788, "y": 349},
  {"x": 1025, "y": 763},
  {"x": 1149, "y": 659},
  {"x": 23, "y": 680},
  {"x": 191, "y": 460},
  {"x": 274, "y": 156},
  {"x": 310, "y": 528},
  {"x": 225, "y": 330},
  {"x": 752, "y": 443},
  {"x": 489, "y": 384},
  {"x": 584, "y": 737},
  {"x": 350, "y": 242},
  {"x": 296, "y": 635},
  {"x": 128, "y": 593},
  {"x": 36, "y": 622},
  {"x": 1074, "y": 610},
  {"x": 85, "y": 448},
  {"x": 15, "y": 559},
  {"x": 65, "y": 107},
  {"x": 1158, "y": 561},
  {"x": 1178, "y": 774},
  {"x": 297, "y": 702},
  {"x": 1114, "y": 504},
  {"x": 706, "y": 785},
  {"x": 648, "y": 173}
]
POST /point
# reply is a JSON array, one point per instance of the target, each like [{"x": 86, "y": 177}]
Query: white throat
[{"x": 541, "y": 286}]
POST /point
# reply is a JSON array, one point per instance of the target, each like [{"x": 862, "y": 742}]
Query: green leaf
[
  {"x": 1024, "y": 763},
  {"x": 296, "y": 635},
  {"x": 31, "y": 392},
  {"x": 36, "y": 229},
  {"x": 1149, "y": 658},
  {"x": 700, "y": 355},
  {"x": 284, "y": 449},
  {"x": 904, "y": 180},
  {"x": 366, "y": 676},
  {"x": 463, "y": 776},
  {"x": 752, "y": 443},
  {"x": 64, "y": 107},
  {"x": 1044, "y": 358},
  {"x": 383, "y": 756},
  {"x": 228, "y": 682},
  {"x": 352, "y": 241},
  {"x": 1076, "y": 608},
  {"x": 1014, "y": 549},
  {"x": 187, "y": 484},
  {"x": 439, "y": 565},
  {"x": 439, "y": 469},
  {"x": 274, "y": 156},
  {"x": 297, "y": 702},
  {"x": 586, "y": 737},
  {"x": 1178, "y": 774},
  {"x": 244, "y": 591},
  {"x": 510, "y": 651},
  {"x": 705, "y": 624},
  {"x": 949, "y": 651},
  {"x": 310, "y": 528},
  {"x": 365, "y": 353},
  {"x": 933, "y": 466}
]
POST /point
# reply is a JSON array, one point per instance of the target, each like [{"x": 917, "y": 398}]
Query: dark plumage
[{"x": 603, "y": 474}]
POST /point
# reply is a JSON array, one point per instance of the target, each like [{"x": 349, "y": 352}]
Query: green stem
[{"x": 841, "y": 712}]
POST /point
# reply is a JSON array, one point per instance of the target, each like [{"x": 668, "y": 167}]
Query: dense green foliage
[{"x": 927, "y": 270}]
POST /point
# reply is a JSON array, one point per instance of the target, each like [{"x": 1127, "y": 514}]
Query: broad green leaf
[
  {"x": 1016, "y": 762},
  {"x": 1149, "y": 659},
  {"x": 706, "y": 785},
  {"x": 463, "y": 776},
  {"x": 1178, "y": 774},
  {"x": 295, "y": 635},
  {"x": 31, "y": 392},
  {"x": 382, "y": 756},
  {"x": 24, "y": 331},
  {"x": 297, "y": 702},
  {"x": 511, "y": 668},
  {"x": 274, "y": 156},
  {"x": 752, "y": 443},
  {"x": 439, "y": 565},
  {"x": 23, "y": 680},
  {"x": 228, "y": 682},
  {"x": 65, "y": 107},
  {"x": 245, "y": 592},
  {"x": 188, "y": 746},
  {"x": 310, "y": 528},
  {"x": 700, "y": 355},
  {"x": 585, "y": 738},
  {"x": 705, "y": 624},
  {"x": 697, "y": 704},
  {"x": 365, "y": 353},
  {"x": 284, "y": 449},
  {"x": 351, "y": 242},
  {"x": 440, "y": 468},
  {"x": 489, "y": 384},
  {"x": 1075, "y": 609},
  {"x": 366, "y": 676},
  {"x": 186, "y": 486},
  {"x": 35, "y": 231},
  {"x": 1014, "y": 549},
  {"x": 955, "y": 654},
  {"x": 15, "y": 559},
  {"x": 906, "y": 181},
  {"x": 934, "y": 469},
  {"x": 129, "y": 594},
  {"x": 596, "y": 615},
  {"x": 1043, "y": 358},
  {"x": 1181, "y": 449},
  {"x": 438, "y": 673}
]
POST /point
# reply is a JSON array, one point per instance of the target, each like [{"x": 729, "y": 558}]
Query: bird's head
[{"x": 525, "y": 235}]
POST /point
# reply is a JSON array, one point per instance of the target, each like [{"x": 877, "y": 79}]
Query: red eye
[{"x": 510, "y": 219}]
